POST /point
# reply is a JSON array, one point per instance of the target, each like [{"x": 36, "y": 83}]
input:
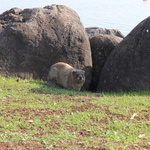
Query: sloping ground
[{"x": 34, "y": 115}]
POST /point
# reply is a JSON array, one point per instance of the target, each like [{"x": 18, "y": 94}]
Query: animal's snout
[{"x": 80, "y": 77}]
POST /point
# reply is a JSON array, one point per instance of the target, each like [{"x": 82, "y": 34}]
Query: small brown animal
[{"x": 67, "y": 76}]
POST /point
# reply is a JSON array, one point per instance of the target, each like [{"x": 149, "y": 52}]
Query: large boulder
[
  {"x": 128, "y": 66},
  {"x": 95, "y": 31},
  {"x": 31, "y": 40},
  {"x": 101, "y": 46}
]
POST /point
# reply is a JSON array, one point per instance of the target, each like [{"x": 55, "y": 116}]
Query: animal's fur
[{"x": 66, "y": 76}]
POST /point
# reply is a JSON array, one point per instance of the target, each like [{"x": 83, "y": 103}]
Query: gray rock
[
  {"x": 101, "y": 46},
  {"x": 31, "y": 40},
  {"x": 128, "y": 66},
  {"x": 95, "y": 31}
]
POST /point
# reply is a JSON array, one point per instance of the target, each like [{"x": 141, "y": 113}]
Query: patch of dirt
[
  {"x": 123, "y": 117},
  {"x": 55, "y": 125},
  {"x": 33, "y": 145},
  {"x": 111, "y": 115},
  {"x": 81, "y": 146},
  {"x": 138, "y": 147},
  {"x": 34, "y": 112},
  {"x": 87, "y": 106},
  {"x": 85, "y": 133},
  {"x": 145, "y": 115}
]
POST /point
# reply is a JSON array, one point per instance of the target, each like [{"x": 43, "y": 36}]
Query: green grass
[{"x": 33, "y": 112}]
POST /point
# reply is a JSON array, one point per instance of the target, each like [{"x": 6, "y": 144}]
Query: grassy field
[{"x": 36, "y": 116}]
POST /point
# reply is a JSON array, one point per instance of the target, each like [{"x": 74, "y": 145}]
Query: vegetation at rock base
[{"x": 35, "y": 115}]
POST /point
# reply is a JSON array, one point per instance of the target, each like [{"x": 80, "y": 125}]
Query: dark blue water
[{"x": 123, "y": 15}]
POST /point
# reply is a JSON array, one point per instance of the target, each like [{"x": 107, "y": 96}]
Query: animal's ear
[{"x": 74, "y": 72}]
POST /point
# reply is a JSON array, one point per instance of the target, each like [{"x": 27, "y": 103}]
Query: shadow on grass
[{"x": 49, "y": 88}]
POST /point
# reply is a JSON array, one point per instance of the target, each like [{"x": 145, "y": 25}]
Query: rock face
[
  {"x": 95, "y": 31},
  {"x": 31, "y": 40},
  {"x": 128, "y": 67},
  {"x": 101, "y": 47}
]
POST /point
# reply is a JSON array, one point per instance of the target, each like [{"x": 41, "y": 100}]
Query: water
[{"x": 123, "y": 15}]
